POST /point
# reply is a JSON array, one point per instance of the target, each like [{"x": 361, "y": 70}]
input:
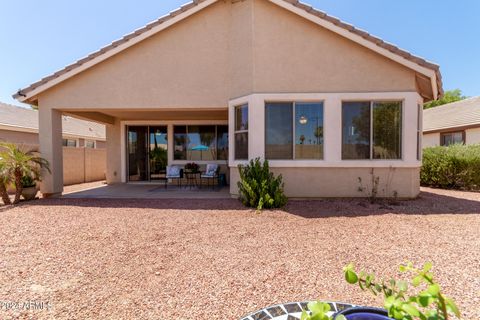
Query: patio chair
[
  {"x": 210, "y": 174},
  {"x": 174, "y": 173}
]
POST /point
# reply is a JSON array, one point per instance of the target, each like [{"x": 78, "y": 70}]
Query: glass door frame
[{"x": 147, "y": 151}]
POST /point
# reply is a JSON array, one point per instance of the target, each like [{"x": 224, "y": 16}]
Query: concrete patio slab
[{"x": 148, "y": 191}]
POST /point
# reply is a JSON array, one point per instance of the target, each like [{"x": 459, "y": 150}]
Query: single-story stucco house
[
  {"x": 83, "y": 151},
  {"x": 457, "y": 122},
  {"x": 323, "y": 101}
]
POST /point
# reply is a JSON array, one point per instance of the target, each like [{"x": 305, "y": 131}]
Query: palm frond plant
[
  {"x": 20, "y": 163},
  {"x": 5, "y": 180}
]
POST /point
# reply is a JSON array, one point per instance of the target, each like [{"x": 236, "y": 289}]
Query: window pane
[
  {"x": 356, "y": 130},
  {"x": 90, "y": 144},
  {"x": 241, "y": 118},
  {"x": 278, "y": 131},
  {"x": 222, "y": 142},
  {"x": 387, "y": 130},
  {"x": 137, "y": 153},
  {"x": 201, "y": 143},
  {"x": 158, "y": 151},
  {"x": 452, "y": 138},
  {"x": 69, "y": 143},
  {"x": 309, "y": 131},
  {"x": 180, "y": 142},
  {"x": 241, "y": 146},
  {"x": 458, "y": 137}
]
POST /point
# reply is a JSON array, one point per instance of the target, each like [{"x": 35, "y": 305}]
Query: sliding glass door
[{"x": 147, "y": 152}]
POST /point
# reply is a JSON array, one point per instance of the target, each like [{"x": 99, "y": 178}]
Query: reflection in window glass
[
  {"x": 452, "y": 138},
  {"x": 201, "y": 143},
  {"x": 387, "y": 130},
  {"x": 158, "y": 153},
  {"x": 241, "y": 118},
  {"x": 356, "y": 130},
  {"x": 278, "y": 130},
  {"x": 308, "y": 130},
  {"x": 69, "y": 143},
  {"x": 241, "y": 132},
  {"x": 90, "y": 144},
  {"x": 180, "y": 142},
  {"x": 222, "y": 142}
]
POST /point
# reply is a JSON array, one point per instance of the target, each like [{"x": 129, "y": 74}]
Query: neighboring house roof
[
  {"x": 428, "y": 69},
  {"x": 22, "y": 119},
  {"x": 460, "y": 114}
]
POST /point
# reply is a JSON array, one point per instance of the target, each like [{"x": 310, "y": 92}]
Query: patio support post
[
  {"x": 114, "y": 152},
  {"x": 50, "y": 138}
]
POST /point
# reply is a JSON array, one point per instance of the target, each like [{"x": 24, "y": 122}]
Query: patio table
[
  {"x": 192, "y": 178},
  {"x": 291, "y": 311}
]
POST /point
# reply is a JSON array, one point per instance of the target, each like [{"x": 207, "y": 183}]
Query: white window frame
[
  {"x": 235, "y": 131},
  {"x": 372, "y": 102},
  {"x": 294, "y": 127}
]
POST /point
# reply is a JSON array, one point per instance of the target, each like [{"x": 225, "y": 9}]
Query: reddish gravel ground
[{"x": 204, "y": 259}]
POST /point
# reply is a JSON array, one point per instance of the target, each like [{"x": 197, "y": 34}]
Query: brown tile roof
[
  {"x": 379, "y": 42},
  {"x": 458, "y": 114},
  {"x": 18, "y": 117}
]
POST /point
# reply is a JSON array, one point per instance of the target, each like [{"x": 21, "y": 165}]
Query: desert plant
[
  {"x": 428, "y": 304},
  {"x": 453, "y": 167},
  {"x": 371, "y": 193},
  {"x": 20, "y": 163},
  {"x": 5, "y": 180},
  {"x": 259, "y": 188},
  {"x": 28, "y": 182}
]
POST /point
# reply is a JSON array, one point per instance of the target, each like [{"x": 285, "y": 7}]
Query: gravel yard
[{"x": 214, "y": 259}]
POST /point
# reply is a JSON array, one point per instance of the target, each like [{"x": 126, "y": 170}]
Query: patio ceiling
[{"x": 108, "y": 115}]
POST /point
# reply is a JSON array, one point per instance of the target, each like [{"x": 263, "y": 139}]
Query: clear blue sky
[{"x": 40, "y": 37}]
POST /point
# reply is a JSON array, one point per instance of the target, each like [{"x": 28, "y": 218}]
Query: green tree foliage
[
  {"x": 448, "y": 97},
  {"x": 259, "y": 188},
  {"x": 454, "y": 167}
]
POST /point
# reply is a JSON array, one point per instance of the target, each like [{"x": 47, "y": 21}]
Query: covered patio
[{"x": 146, "y": 191}]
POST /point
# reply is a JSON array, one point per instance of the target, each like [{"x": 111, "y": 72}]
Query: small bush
[
  {"x": 259, "y": 188},
  {"x": 452, "y": 167}
]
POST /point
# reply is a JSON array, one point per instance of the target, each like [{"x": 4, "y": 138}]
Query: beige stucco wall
[
  {"x": 472, "y": 136},
  {"x": 293, "y": 54},
  {"x": 431, "y": 139},
  {"x": 27, "y": 138},
  {"x": 342, "y": 182},
  {"x": 226, "y": 51}
]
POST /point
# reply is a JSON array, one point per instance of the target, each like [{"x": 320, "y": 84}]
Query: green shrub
[
  {"x": 453, "y": 167},
  {"x": 259, "y": 188}
]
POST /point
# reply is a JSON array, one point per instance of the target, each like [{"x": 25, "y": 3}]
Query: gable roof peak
[{"x": 421, "y": 65}]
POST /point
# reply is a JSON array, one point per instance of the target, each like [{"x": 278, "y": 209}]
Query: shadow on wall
[{"x": 428, "y": 203}]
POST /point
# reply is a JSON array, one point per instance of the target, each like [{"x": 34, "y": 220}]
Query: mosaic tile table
[{"x": 291, "y": 311}]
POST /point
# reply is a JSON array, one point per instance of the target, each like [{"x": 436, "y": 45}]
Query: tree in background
[{"x": 448, "y": 97}]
